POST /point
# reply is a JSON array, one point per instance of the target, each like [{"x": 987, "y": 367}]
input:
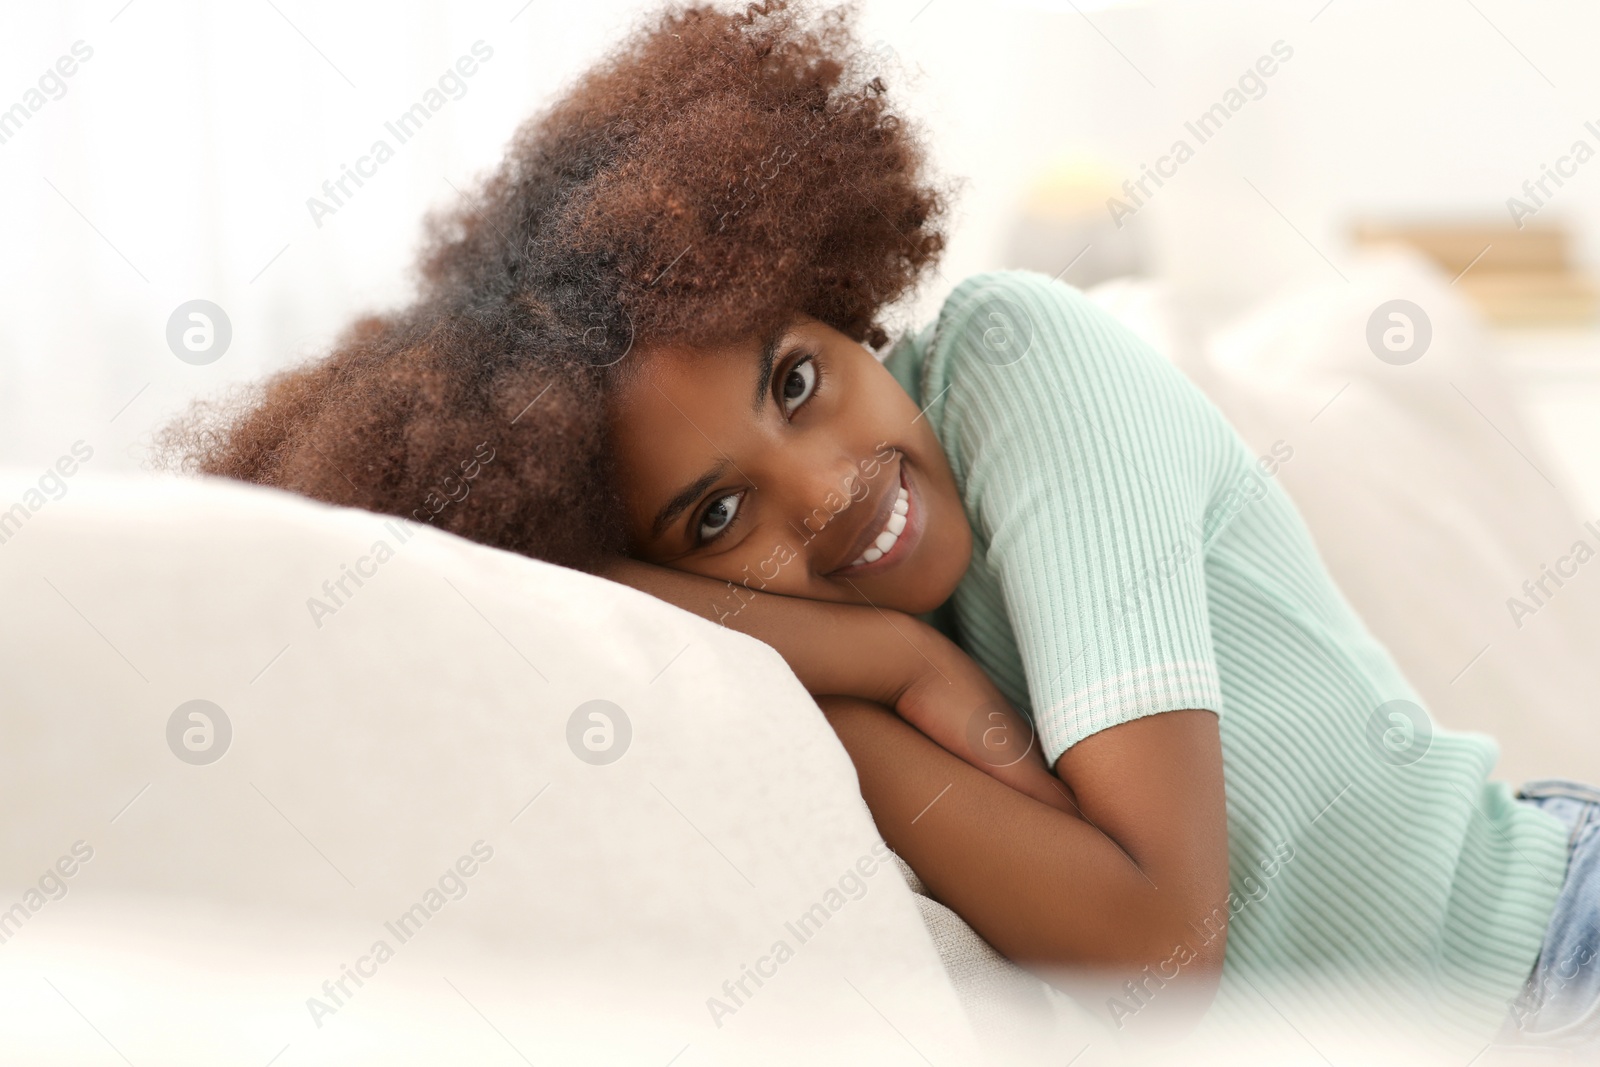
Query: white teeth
[{"x": 892, "y": 530}]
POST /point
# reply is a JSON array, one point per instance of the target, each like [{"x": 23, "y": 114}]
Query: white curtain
[{"x": 176, "y": 162}]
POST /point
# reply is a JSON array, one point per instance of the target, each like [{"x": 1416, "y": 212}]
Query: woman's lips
[{"x": 903, "y": 543}]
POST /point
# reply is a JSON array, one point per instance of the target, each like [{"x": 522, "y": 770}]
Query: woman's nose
[{"x": 824, "y": 489}]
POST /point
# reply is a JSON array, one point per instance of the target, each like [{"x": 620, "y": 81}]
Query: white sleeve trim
[{"x": 1130, "y": 695}]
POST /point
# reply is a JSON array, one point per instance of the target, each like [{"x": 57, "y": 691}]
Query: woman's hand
[
  {"x": 953, "y": 701},
  {"x": 1103, "y": 870},
  {"x": 1132, "y": 890},
  {"x": 850, "y": 649}
]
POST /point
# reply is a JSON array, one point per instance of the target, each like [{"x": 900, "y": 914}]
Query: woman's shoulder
[{"x": 1019, "y": 349}]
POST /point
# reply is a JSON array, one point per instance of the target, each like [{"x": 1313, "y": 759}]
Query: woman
[{"x": 658, "y": 313}]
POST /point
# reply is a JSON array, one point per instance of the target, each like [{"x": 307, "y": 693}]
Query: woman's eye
[
  {"x": 798, "y": 385},
  {"x": 718, "y": 516}
]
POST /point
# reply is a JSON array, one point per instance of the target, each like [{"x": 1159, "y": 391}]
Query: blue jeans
[{"x": 1560, "y": 1004}]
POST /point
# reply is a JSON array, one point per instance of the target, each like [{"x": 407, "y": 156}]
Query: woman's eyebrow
[
  {"x": 684, "y": 497},
  {"x": 769, "y": 355}
]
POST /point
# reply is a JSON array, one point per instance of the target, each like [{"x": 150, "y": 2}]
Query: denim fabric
[{"x": 1560, "y": 1004}]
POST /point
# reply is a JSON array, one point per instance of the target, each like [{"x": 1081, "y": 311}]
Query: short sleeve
[{"x": 1087, "y": 463}]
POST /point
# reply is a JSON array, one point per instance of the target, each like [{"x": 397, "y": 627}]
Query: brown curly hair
[{"x": 716, "y": 174}]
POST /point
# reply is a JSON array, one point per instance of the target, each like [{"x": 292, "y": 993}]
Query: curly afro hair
[{"x": 718, "y": 173}]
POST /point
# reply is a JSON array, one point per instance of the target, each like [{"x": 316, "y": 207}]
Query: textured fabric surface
[
  {"x": 1132, "y": 557},
  {"x": 1011, "y": 1010},
  {"x": 711, "y": 876}
]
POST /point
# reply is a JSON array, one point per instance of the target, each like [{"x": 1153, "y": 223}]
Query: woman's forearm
[
  {"x": 883, "y": 656},
  {"x": 887, "y": 657},
  {"x": 1002, "y": 843},
  {"x": 849, "y": 649},
  {"x": 1045, "y": 887}
]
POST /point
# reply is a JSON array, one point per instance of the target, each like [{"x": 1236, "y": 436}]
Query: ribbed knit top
[{"x": 1131, "y": 556}]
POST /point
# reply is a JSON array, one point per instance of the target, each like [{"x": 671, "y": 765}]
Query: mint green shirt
[{"x": 1132, "y": 557}]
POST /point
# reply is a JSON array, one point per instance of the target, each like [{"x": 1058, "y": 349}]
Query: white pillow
[{"x": 374, "y": 747}]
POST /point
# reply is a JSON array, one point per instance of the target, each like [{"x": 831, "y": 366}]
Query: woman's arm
[
  {"x": 1118, "y": 875},
  {"x": 887, "y": 657},
  {"x": 832, "y": 648},
  {"x": 1128, "y": 889}
]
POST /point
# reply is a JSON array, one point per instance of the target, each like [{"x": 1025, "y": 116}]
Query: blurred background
[
  {"x": 176, "y": 162},
  {"x": 1244, "y": 170}
]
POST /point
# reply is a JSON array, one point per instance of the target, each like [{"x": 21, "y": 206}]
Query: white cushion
[{"x": 371, "y": 749}]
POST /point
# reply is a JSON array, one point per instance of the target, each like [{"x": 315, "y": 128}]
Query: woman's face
[{"x": 797, "y": 467}]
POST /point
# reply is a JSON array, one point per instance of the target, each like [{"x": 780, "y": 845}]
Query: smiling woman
[
  {"x": 666, "y": 203},
  {"x": 669, "y": 332},
  {"x": 660, "y": 309}
]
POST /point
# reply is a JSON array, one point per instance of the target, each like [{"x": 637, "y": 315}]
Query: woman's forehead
[
  {"x": 680, "y": 373},
  {"x": 677, "y": 412}
]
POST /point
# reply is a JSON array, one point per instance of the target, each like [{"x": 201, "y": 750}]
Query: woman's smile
[{"x": 892, "y": 532}]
